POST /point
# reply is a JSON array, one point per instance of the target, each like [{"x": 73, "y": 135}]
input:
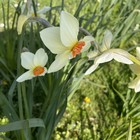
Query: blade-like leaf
[{"x": 34, "y": 122}]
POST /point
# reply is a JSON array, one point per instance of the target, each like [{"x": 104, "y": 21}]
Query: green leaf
[
  {"x": 7, "y": 108},
  {"x": 34, "y": 122},
  {"x": 4, "y": 138},
  {"x": 130, "y": 131}
]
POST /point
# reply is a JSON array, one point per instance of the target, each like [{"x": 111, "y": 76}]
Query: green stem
[
  {"x": 20, "y": 105},
  {"x": 25, "y": 100},
  {"x": 62, "y": 7},
  {"x": 20, "y": 108},
  {"x": 3, "y": 15},
  {"x": 8, "y": 5},
  {"x": 27, "y": 114},
  {"x": 20, "y": 101}
]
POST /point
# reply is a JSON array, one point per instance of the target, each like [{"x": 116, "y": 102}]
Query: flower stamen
[
  {"x": 77, "y": 48},
  {"x": 38, "y": 70}
]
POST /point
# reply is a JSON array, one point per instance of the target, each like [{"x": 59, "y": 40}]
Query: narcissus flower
[
  {"x": 28, "y": 9},
  {"x": 135, "y": 84},
  {"x": 105, "y": 54},
  {"x": 64, "y": 42},
  {"x": 34, "y": 63}
]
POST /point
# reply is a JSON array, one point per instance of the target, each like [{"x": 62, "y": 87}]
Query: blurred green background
[{"x": 103, "y": 108}]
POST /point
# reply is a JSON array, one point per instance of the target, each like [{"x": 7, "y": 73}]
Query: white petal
[
  {"x": 87, "y": 40},
  {"x": 60, "y": 61},
  {"x": 21, "y": 21},
  {"x": 25, "y": 76},
  {"x": 69, "y": 28},
  {"x": 122, "y": 59},
  {"x": 51, "y": 39},
  {"x": 40, "y": 58},
  {"x": 106, "y": 41},
  {"x": 105, "y": 57},
  {"x": 91, "y": 69},
  {"x": 138, "y": 52},
  {"x": 27, "y": 60},
  {"x": 135, "y": 68},
  {"x": 135, "y": 84},
  {"x": 44, "y": 10},
  {"x": 121, "y": 56}
]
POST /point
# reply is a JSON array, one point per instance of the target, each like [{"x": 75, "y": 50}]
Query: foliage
[{"x": 112, "y": 113}]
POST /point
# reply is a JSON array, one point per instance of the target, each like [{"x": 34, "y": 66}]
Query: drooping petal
[
  {"x": 21, "y": 21},
  {"x": 87, "y": 40},
  {"x": 44, "y": 10},
  {"x": 138, "y": 52},
  {"x": 135, "y": 68},
  {"x": 105, "y": 57},
  {"x": 121, "y": 56},
  {"x": 25, "y": 76},
  {"x": 27, "y": 60},
  {"x": 106, "y": 41},
  {"x": 135, "y": 84},
  {"x": 60, "y": 61},
  {"x": 69, "y": 28},
  {"x": 122, "y": 59},
  {"x": 91, "y": 69},
  {"x": 51, "y": 39},
  {"x": 40, "y": 58}
]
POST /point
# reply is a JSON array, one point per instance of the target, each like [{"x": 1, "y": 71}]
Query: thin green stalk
[
  {"x": 43, "y": 86},
  {"x": 34, "y": 7},
  {"x": 27, "y": 114},
  {"x": 3, "y": 15},
  {"x": 50, "y": 12},
  {"x": 132, "y": 101},
  {"x": 20, "y": 105},
  {"x": 129, "y": 136},
  {"x": 62, "y": 5},
  {"x": 78, "y": 9},
  {"x": 8, "y": 5},
  {"x": 20, "y": 109},
  {"x": 15, "y": 16},
  {"x": 81, "y": 118}
]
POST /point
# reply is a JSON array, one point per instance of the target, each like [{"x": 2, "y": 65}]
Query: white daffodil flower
[
  {"x": 34, "y": 63},
  {"x": 135, "y": 84},
  {"x": 30, "y": 13},
  {"x": 105, "y": 54},
  {"x": 64, "y": 42}
]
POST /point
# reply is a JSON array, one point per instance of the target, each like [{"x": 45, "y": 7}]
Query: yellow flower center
[
  {"x": 87, "y": 99},
  {"x": 77, "y": 48},
  {"x": 38, "y": 70}
]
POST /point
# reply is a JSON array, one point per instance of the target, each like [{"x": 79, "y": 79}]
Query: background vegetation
[{"x": 112, "y": 110}]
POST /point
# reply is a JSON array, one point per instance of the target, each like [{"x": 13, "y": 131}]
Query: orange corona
[
  {"x": 38, "y": 70},
  {"x": 77, "y": 48}
]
